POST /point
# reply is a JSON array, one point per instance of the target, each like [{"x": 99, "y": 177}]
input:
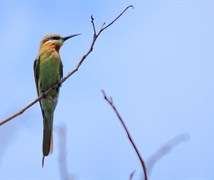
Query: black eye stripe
[
  {"x": 52, "y": 38},
  {"x": 55, "y": 38}
]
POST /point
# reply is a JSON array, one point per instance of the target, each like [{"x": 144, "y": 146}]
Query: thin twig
[
  {"x": 70, "y": 73},
  {"x": 111, "y": 103},
  {"x": 92, "y": 22},
  {"x": 131, "y": 175},
  {"x": 130, "y": 6}
]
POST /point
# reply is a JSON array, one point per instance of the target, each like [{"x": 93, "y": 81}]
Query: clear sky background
[{"x": 156, "y": 62}]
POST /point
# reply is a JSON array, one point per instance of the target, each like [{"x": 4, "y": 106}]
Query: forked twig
[
  {"x": 111, "y": 103},
  {"x": 96, "y": 35}
]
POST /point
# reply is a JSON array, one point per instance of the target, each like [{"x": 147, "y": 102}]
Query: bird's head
[{"x": 55, "y": 40}]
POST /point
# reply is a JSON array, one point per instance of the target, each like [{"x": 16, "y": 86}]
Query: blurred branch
[
  {"x": 111, "y": 103},
  {"x": 96, "y": 35},
  {"x": 62, "y": 135},
  {"x": 165, "y": 149}
]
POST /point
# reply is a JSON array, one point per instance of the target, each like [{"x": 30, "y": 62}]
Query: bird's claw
[{"x": 43, "y": 95}]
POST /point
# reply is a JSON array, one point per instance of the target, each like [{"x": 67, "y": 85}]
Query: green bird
[{"x": 48, "y": 70}]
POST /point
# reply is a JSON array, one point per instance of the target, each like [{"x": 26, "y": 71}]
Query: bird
[{"x": 48, "y": 70}]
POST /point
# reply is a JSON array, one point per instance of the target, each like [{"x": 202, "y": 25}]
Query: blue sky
[{"x": 157, "y": 64}]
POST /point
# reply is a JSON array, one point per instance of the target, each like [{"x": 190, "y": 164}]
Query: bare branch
[
  {"x": 21, "y": 111},
  {"x": 92, "y": 22},
  {"x": 111, "y": 103},
  {"x": 70, "y": 73},
  {"x": 165, "y": 149}
]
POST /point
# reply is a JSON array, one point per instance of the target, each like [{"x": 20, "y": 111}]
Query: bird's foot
[{"x": 43, "y": 95}]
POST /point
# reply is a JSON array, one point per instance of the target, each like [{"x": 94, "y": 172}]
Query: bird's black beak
[{"x": 68, "y": 37}]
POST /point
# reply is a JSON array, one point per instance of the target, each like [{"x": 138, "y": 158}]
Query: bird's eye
[
  {"x": 55, "y": 38},
  {"x": 51, "y": 38}
]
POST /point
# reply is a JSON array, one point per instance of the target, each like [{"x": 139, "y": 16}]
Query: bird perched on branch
[{"x": 48, "y": 70}]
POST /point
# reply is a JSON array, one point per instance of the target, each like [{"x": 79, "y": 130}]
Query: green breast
[{"x": 49, "y": 72}]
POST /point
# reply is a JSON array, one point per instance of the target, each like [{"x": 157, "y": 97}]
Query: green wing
[
  {"x": 36, "y": 72},
  {"x": 36, "y": 76},
  {"x": 61, "y": 70}
]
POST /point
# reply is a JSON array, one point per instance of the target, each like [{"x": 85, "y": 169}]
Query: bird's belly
[{"x": 49, "y": 104}]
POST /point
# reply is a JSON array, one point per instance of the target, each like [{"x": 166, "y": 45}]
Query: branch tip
[
  {"x": 111, "y": 100},
  {"x": 93, "y": 25},
  {"x": 103, "y": 25},
  {"x": 131, "y": 6},
  {"x": 103, "y": 92},
  {"x": 131, "y": 175}
]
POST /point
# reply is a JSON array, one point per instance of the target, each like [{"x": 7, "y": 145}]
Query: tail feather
[
  {"x": 47, "y": 147},
  {"x": 43, "y": 160},
  {"x": 47, "y": 133},
  {"x": 51, "y": 146}
]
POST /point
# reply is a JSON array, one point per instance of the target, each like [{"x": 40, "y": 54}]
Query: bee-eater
[{"x": 48, "y": 70}]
